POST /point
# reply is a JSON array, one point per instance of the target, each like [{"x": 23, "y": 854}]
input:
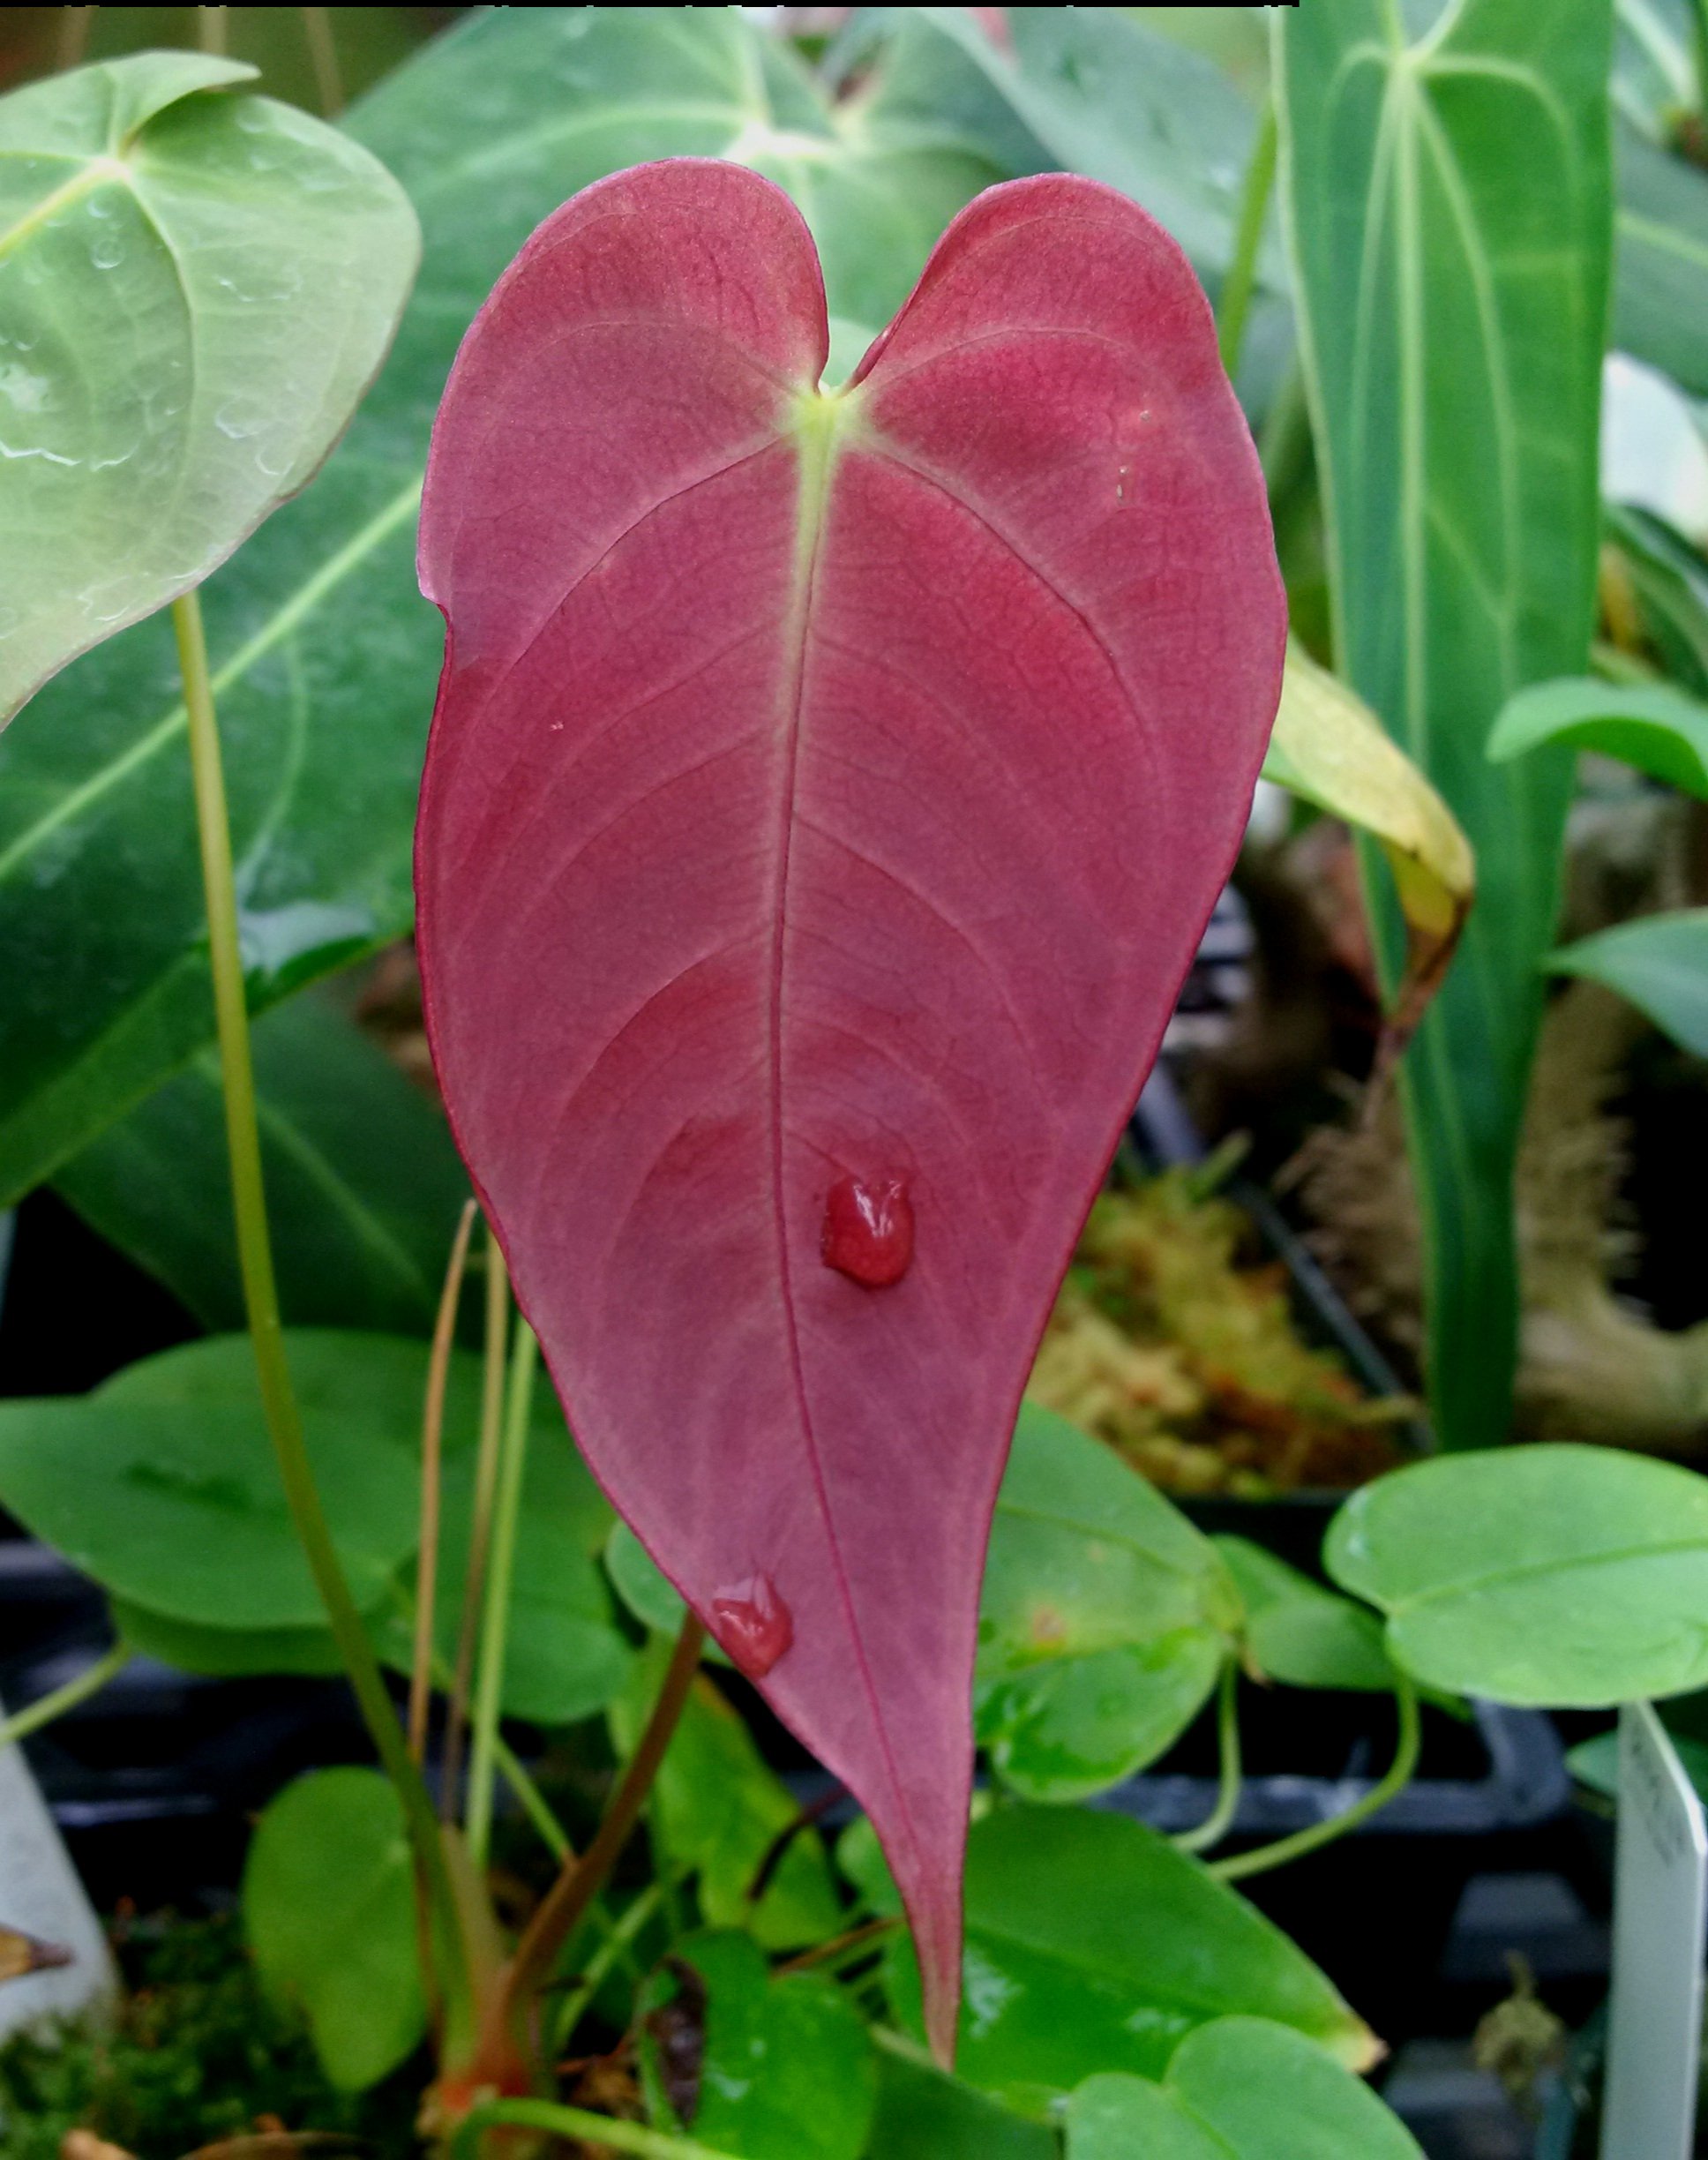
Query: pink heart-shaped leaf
[{"x": 825, "y": 796}]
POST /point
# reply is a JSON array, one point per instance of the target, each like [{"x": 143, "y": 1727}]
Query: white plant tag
[
  {"x": 41, "y": 1897},
  {"x": 1655, "y": 2036}
]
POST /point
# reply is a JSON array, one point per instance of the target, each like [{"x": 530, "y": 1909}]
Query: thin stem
[
  {"x": 1214, "y": 1827},
  {"x": 1302, "y": 1842},
  {"x": 842, "y": 1949},
  {"x": 432, "y": 1434},
  {"x": 561, "y": 1909},
  {"x": 1233, "y": 304},
  {"x": 598, "y": 2130},
  {"x": 495, "y": 1625},
  {"x": 73, "y": 42},
  {"x": 636, "y": 1914},
  {"x": 210, "y": 29},
  {"x": 323, "y": 56},
  {"x": 255, "y": 1259},
  {"x": 480, "y": 1528},
  {"x": 46, "y": 1708},
  {"x": 533, "y": 1802}
]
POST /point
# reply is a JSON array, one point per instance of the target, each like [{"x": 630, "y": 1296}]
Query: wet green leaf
[
  {"x": 1660, "y": 962},
  {"x": 329, "y": 1911},
  {"x": 201, "y": 285},
  {"x": 1104, "y": 1621},
  {"x": 1450, "y": 212},
  {"x": 1299, "y": 1634},
  {"x": 364, "y": 1185},
  {"x": 1569, "y": 1575},
  {"x": 1093, "y": 1944},
  {"x": 784, "y": 2067}
]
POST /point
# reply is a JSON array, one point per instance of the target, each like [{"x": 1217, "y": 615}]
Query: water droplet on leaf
[
  {"x": 753, "y": 1625},
  {"x": 868, "y": 1230}
]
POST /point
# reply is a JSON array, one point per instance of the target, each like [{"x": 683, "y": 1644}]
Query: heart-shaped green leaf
[
  {"x": 330, "y": 1913},
  {"x": 1093, "y": 1944},
  {"x": 1104, "y": 1620},
  {"x": 1570, "y": 1576},
  {"x": 199, "y": 288}
]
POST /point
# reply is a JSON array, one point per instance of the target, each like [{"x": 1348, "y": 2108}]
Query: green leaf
[
  {"x": 1661, "y": 963},
  {"x": 1239, "y": 2088},
  {"x": 230, "y": 1653},
  {"x": 200, "y": 288},
  {"x": 787, "y": 2070},
  {"x": 717, "y": 1810},
  {"x": 1272, "y": 2095},
  {"x": 1299, "y": 1634},
  {"x": 179, "y": 1507},
  {"x": 1656, "y": 728},
  {"x": 1660, "y": 293},
  {"x": 330, "y": 1914},
  {"x": 1329, "y": 749},
  {"x": 646, "y": 1590},
  {"x": 1450, "y": 210},
  {"x": 1669, "y": 581},
  {"x": 325, "y": 655},
  {"x": 1576, "y": 1577},
  {"x": 923, "y": 2115},
  {"x": 364, "y": 1185},
  {"x": 1092, "y": 1945},
  {"x": 1595, "y": 1763},
  {"x": 1104, "y": 1621}
]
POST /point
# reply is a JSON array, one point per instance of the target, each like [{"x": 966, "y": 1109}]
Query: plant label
[
  {"x": 1655, "y": 2035},
  {"x": 51, "y": 1943}
]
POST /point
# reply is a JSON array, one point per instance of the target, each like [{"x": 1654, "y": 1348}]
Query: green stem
[
  {"x": 1399, "y": 1775},
  {"x": 561, "y": 1909},
  {"x": 636, "y": 1914},
  {"x": 255, "y": 1261},
  {"x": 486, "y": 1464},
  {"x": 602, "y": 2130},
  {"x": 1233, "y": 304},
  {"x": 1214, "y": 1827},
  {"x": 46, "y": 1708},
  {"x": 495, "y": 1621},
  {"x": 533, "y": 1802}
]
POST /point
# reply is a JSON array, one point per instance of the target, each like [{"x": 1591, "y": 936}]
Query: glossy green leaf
[
  {"x": 1660, "y": 962},
  {"x": 787, "y": 2071},
  {"x": 717, "y": 1809},
  {"x": 1238, "y": 2089},
  {"x": 1299, "y": 1634},
  {"x": 179, "y": 1507},
  {"x": 1093, "y": 1944},
  {"x": 923, "y": 2115},
  {"x": 1450, "y": 210},
  {"x": 325, "y": 655},
  {"x": 1104, "y": 1621},
  {"x": 364, "y": 1185},
  {"x": 1570, "y": 1576},
  {"x": 199, "y": 287},
  {"x": 329, "y": 1911},
  {"x": 1660, "y": 291},
  {"x": 1656, "y": 728}
]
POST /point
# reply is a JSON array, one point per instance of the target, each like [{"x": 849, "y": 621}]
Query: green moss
[{"x": 196, "y": 2053}]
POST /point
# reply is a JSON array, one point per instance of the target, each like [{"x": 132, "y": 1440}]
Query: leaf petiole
[
  {"x": 46, "y": 1708},
  {"x": 605, "y": 2131},
  {"x": 1215, "y": 1826}
]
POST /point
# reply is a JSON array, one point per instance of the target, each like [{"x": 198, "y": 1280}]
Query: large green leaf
[
  {"x": 199, "y": 288},
  {"x": 1569, "y": 1575},
  {"x": 329, "y": 1911},
  {"x": 766, "y": 2066},
  {"x": 719, "y": 1810},
  {"x": 1093, "y": 1944},
  {"x": 1661, "y": 303},
  {"x": 1450, "y": 209},
  {"x": 1238, "y": 2089},
  {"x": 364, "y": 1185},
  {"x": 1661, "y": 963},
  {"x": 324, "y": 654},
  {"x": 923, "y": 2115},
  {"x": 1104, "y": 1620}
]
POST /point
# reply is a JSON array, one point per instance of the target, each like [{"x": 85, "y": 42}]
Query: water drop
[
  {"x": 108, "y": 252},
  {"x": 753, "y": 1625},
  {"x": 868, "y": 1230}
]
